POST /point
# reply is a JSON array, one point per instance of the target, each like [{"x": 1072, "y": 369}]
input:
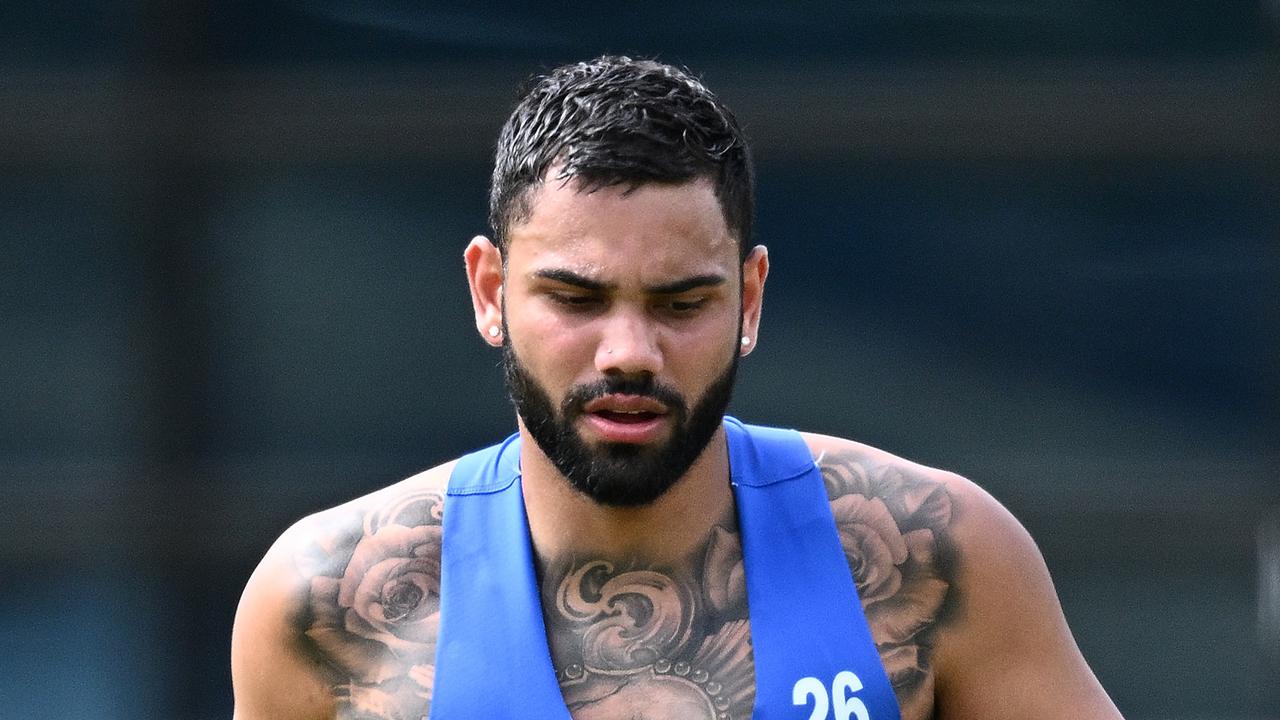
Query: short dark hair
[{"x": 617, "y": 121}]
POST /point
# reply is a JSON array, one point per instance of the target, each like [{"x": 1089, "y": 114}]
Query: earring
[
  {"x": 494, "y": 331},
  {"x": 745, "y": 341}
]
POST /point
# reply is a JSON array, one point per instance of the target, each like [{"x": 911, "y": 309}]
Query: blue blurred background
[{"x": 1032, "y": 242}]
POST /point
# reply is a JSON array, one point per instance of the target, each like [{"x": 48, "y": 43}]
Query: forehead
[{"x": 649, "y": 233}]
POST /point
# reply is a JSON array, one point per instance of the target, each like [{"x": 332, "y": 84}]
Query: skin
[{"x": 955, "y": 592}]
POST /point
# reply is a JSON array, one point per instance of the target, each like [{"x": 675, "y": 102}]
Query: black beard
[{"x": 617, "y": 474}]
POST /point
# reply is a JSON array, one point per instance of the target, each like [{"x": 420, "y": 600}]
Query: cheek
[
  {"x": 697, "y": 359},
  {"x": 554, "y": 353}
]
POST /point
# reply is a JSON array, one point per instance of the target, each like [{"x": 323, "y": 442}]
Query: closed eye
[
  {"x": 685, "y": 306},
  {"x": 576, "y": 301}
]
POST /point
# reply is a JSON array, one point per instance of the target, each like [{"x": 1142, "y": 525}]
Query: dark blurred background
[{"x": 1032, "y": 242}]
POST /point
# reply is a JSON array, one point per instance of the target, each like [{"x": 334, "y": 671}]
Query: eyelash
[
  {"x": 575, "y": 301},
  {"x": 686, "y": 306},
  {"x": 588, "y": 302}
]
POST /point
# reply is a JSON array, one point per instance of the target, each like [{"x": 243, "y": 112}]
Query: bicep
[
  {"x": 1011, "y": 654},
  {"x": 270, "y": 678}
]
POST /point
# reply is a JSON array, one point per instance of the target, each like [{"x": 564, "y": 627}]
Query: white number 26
[{"x": 845, "y": 705}]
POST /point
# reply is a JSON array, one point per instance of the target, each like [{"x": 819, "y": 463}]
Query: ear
[
  {"x": 484, "y": 275},
  {"x": 755, "y": 270}
]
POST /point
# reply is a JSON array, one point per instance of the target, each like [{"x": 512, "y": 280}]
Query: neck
[{"x": 565, "y": 523}]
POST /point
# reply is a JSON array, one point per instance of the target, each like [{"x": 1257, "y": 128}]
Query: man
[{"x": 631, "y": 552}]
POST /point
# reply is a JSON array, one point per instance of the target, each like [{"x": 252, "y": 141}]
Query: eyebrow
[
  {"x": 569, "y": 277},
  {"x": 687, "y": 284}
]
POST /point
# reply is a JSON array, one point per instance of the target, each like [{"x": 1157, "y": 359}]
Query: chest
[
  {"x": 656, "y": 644},
  {"x": 626, "y": 641}
]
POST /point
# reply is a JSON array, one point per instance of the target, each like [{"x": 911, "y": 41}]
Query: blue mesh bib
[{"x": 813, "y": 653}]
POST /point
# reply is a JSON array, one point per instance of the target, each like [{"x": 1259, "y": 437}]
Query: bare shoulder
[
  {"x": 971, "y": 529},
  {"x": 340, "y": 617},
  {"x": 849, "y": 463},
  {"x": 955, "y": 591}
]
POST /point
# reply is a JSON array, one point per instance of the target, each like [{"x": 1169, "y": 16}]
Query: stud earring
[
  {"x": 745, "y": 341},
  {"x": 494, "y": 331}
]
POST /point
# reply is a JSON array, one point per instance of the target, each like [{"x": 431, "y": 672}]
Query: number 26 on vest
[{"x": 845, "y": 707}]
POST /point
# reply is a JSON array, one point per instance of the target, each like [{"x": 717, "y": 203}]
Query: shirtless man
[{"x": 631, "y": 552}]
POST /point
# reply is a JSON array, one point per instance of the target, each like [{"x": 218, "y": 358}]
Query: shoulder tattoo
[
  {"x": 894, "y": 523},
  {"x": 372, "y": 612}
]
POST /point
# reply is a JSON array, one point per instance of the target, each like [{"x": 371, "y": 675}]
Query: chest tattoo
[{"x": 627, "y": 635}]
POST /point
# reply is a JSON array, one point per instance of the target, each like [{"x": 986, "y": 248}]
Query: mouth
[{"x": 633, "y": 419}]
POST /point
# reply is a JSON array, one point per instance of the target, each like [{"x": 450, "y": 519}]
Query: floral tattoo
[
  {"x": 893, "y": 524},
  {"x": 629, "y": 638},
  {"x": 373, "y": 613}
]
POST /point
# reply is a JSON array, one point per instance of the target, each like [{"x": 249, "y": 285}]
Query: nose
[{"x": 628, "y": 346}]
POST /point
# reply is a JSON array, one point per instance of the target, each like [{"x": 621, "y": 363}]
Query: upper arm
[
  {"x": 271, "y": 678},
  {"x": 1009, "y": 652}
]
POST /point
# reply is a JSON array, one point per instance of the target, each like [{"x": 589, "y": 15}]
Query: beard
[{"x": 617, "y": 474}]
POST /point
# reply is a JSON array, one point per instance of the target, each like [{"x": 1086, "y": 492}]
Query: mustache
[{"x": 644, "y": 386}]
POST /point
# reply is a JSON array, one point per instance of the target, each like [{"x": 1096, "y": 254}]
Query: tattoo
[
  {"x": 373, "y": 612},
  {"x": 894, "y": 525},
  {"x": 625, "y": 634}
]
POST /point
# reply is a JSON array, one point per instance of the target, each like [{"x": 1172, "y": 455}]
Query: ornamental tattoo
[
  {"x": 629, "y": 638},
  {"x": 653, "y": 643}
]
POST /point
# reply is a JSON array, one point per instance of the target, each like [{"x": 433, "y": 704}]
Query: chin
[{"x": 623, "y": 474}]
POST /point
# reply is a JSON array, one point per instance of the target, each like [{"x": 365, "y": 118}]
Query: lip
[
  {"x": 621, "y": 402},
  {"x": 601, "y": 416},
  {"x": 634, "y": 433}
]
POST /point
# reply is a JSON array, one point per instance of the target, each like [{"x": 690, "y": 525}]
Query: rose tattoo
[
  {"x": 893, "y": 528},
  {"x": 375, "y": 608}
]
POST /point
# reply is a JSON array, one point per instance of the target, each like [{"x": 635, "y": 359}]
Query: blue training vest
[{"x": 814, "y": 656}]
